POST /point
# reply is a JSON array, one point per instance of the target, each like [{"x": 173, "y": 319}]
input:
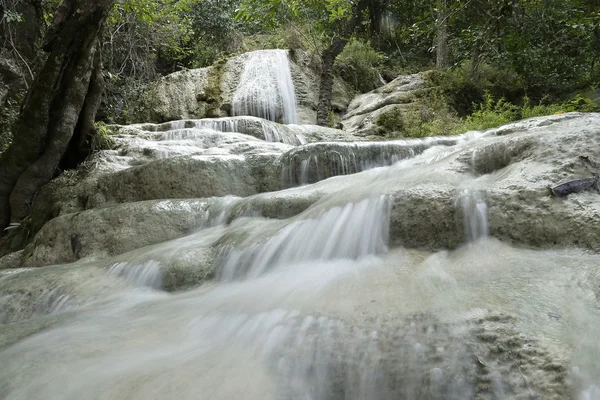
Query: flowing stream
[{"x": 323, "y": 305}]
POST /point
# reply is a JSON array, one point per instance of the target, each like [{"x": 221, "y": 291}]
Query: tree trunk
[
  {"x": 596, "y": 47},
  {"x": 476, "y": 57},
  {"x": 52, "y": 106},
  {"x": 80, "y": 146},
  {"x": 326, "y": 85},
  {"x": 328, "y": 57},
  {"x": 442, "y": 59}
]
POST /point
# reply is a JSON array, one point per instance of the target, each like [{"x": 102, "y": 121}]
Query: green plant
[
  {"x": 359, "y": 65},
  {"x": 101, "y": 139},
  {"x": 464, "y": 89},
  {"x": 332, "y": 119},
  {"x": 213, "y": 88},
  {"x": 490, "y": 114},
  {"x": 528, "y": 110}
]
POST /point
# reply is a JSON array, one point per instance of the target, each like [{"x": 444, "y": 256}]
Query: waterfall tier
[
  {"x": 266, "y": 89},
  {"x": 301, "y": 266}
]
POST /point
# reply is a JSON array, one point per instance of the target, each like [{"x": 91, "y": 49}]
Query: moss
[
  {"x": 101, "y": 139},
  {"x": 428, "y": 115},
  {"x": 213, "y": 88}
]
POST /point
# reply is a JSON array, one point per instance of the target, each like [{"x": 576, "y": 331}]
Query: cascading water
[
  {"x": 266, "y": 88},
  {"x": 474, "y": 211},
  {"x": 351, "y": 232},
  {"x": 252, "y": 126},
  {"x": 148, "y": 274},
  {"x": 329, "y": 291},
  {"x": 317, "y": 161}
]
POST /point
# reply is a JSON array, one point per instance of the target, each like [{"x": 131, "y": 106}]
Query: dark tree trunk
[
  {"x": 80, "y": 146},
  {"x": 442, "y": 59},
  {"x": 477, "y": 55},
  {"x": 596, "y": 47},
  {"x": 374, "y": 8},
  {"x": 52, "y": 107},
  {"x": 328, "y": 57}
]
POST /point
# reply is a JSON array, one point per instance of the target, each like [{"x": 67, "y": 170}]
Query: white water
[
  {"x": 148, "y": 274},
  {"x": 266, "y": 89},
  {"x": 474, "y": 211},
  {"x": 317, "y": 161},
  {"x": 317, "y": 306},
  {"x": 352, "y": 232},
  {"x": 269, "y": 131}
]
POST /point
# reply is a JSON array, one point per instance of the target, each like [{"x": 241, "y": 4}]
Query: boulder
[
  {"x": 109, "y": 231},
  {"x": 365, "y": 113}
]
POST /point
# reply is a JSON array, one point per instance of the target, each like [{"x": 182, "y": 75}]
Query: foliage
[
  {"x": 464, "y": 90},
  {"x": 430, "y": 115},
  {"x": 489, "y": 114},
  {"x": 102, "y": 140},
  {"x": 359, "y": 65},
  {"x": 306, "y": 24}
]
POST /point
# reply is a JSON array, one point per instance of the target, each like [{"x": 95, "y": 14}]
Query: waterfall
[
  {"x": 266, "y": 88},
  {"x": 474, "y": 210},
  {"x": 354, "y": 231},
  {"x": 317, "y": 161},
  {"x": 148, "y": 274},
  {"x": 379, "y": 283},
  {"x": 266, "y": 130}
]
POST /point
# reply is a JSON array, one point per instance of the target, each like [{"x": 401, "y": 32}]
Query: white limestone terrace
[
  {"x": 242, "y": 258},
  {"x": 409, "y": 266}
]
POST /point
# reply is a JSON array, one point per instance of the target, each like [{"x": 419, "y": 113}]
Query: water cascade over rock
[
  {"x": 318, "y": 161},
  {"x": 266, "y": 89},
  {"x": 227, "y": 258},
  {"x": 352, "y": 232}
]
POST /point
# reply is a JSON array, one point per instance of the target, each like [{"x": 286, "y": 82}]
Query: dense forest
[{"x": 68, "y": 68}]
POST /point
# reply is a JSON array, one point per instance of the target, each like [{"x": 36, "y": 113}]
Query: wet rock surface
[
  {"x": 310, "y": 267},
  {"x": 398, "y": 96},
  {"x": 512, "y": 173}
]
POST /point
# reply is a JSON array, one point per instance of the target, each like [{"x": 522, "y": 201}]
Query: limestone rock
[
  {"x": 179, "y": 95},
  {"x": 188, "y": 177},
  {"x": 399, "y": 96},
  {"x": 12, "y": 260},
  {"x": 108, "y": 231}
]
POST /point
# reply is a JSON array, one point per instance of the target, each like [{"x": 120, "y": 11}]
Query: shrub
[
  {"x": 359, "y": 65},
  {"x": 465, "y": 89},
  {"x": 430, "y": 116},
  {"x": 489, "y": 114}
]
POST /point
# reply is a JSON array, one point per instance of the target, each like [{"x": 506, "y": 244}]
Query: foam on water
[{"x": 269, "y": 131}]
